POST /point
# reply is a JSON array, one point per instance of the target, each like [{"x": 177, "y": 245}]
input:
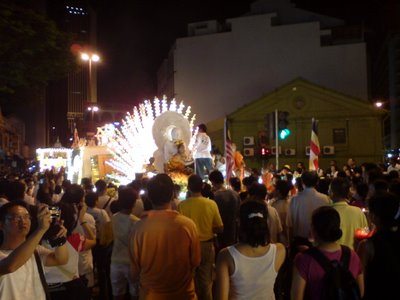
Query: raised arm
[{"x": 19, "y": 256}]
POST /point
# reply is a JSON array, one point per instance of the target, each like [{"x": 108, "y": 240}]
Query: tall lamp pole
[{"x": 91, "y": 58}]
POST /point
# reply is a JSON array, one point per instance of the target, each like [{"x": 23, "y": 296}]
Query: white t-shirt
[
  {"x": 85, "y": 257},
  {"x": 122, "y": 225},
  {"x": 25, "y": 282},
  {"x": 100, "y": 216},
  {"x": 202, "y": 146}
]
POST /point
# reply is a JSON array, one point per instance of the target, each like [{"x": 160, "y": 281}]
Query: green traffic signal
[{"x": 283, "y": 134}]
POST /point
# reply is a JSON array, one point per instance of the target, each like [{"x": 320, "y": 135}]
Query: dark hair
[
  {"x": 73, "y": 194},
  {"x": 160, "y": 189},
  {"x": 127, "y": 197},
  {"x": 362, "y": 189},
  {"x": 216, "y": 177},
  {"x": 340, "y": 187},
  {"x": 380, "y": 185},
  {"x": 6, "y": 208},
  {"x": 258, "y": 191},
  {"x": 195, "y": 183},
  {"x": 394, "y": 187},
  {"x": 235, "y": 183},
  {"x": 254, "y": 228},
  {"x": 283, "y": 187},
  {"x": 323, "y": 185},
  {"x": 100, "y": 185},
  {"x": 325, "y": 221},
  {"x": 202, "y": 127},
  {"x": 248, "y": 181},
  {"x": 91, "y": 198},
  {"x": 68, "y": 215},
  {"x": 15, "y": 191},
  {"x": 309, "y": 178},
  {"x": 206, "y": 191},
  {"x": 385, "y": 206}
]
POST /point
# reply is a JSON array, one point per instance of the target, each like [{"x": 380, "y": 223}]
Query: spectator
[
  {"x": 122, "y": 223},
  {"x": 301, "y": 207},
  {"x": 21, "y": 255},
  {"x": 248, "y": 269},
  {"x": 351, "y": 217},
  {"x": 258, "y": 192},
  {"x": 164, "y": 247},
  {"x": 204, "y": 213},
  {"x": 281, "y": 203},
  {"x": 380, "y": 254},
  {"x": 104, "y": 199},
  {"x": 228, "y": 203},
  {"x": 308, "y": 275}
]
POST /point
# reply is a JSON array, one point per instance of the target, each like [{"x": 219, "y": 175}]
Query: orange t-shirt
[{"x": 164, "y": 250}]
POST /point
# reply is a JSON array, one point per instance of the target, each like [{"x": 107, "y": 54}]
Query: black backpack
[{"x": 339, "y": 283}]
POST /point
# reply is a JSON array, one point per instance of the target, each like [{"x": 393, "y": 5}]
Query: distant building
[
  {"x": 348, "y": 126},
  {"x": 218, "y": 67},
  {"x": 12, "y": 137},
  {"x": 68, "y": 99}
]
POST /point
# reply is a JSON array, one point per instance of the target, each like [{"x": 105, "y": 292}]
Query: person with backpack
[
  {"x": 380, "y": 254},
  {"x": 329, "y": 270}
]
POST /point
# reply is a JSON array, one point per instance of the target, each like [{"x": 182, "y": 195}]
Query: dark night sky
[{"x": 135, "y": 36}]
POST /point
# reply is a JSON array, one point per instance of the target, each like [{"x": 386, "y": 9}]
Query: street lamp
[{"x": 91, "y": 57}]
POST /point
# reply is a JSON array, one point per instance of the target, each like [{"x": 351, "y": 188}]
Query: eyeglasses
[{"x": 16, "y": 218}]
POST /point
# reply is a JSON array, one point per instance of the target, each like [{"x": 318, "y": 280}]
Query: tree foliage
[{"x": 32, "y": 52}]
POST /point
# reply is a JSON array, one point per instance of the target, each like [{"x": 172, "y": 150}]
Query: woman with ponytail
[
  {"x": 308, "y": 275},
  {"x": 248, "y": 269},
  {"x": 380, "y": 254}
]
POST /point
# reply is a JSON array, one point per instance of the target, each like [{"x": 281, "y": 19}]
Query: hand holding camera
[{"x": 43, "y": 217}]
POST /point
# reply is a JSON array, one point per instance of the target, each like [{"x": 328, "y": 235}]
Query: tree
[{"x": 32, "y": 52}]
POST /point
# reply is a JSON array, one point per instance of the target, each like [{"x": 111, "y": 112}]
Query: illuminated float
[{"x": 152, "y": 130}]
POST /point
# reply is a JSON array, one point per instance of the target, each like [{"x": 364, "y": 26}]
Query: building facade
[
  {"x": 347, "y": 126},
  {"x": 218, "y": 67}
]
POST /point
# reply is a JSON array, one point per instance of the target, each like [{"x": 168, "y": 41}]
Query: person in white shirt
[
  {"x": 123, "y": 222},
  {"x": 22, "y": 256},
  {"x": 202, "y": 152},
  {"x": 104, "y": 199}
]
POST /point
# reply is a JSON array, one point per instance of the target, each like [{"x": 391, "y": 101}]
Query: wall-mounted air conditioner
[
  {"x": 248, "y": 141},
  {"x": 290, "y": 152},
  {"x": 328, "y": 150},
  {"x": 248, "y": 152}
]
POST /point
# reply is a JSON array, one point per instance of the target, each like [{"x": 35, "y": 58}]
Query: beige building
[{"x": 348, "y": 126}]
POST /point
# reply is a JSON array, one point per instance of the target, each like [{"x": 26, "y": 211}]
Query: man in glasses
[{"x": 19, "y": 272}]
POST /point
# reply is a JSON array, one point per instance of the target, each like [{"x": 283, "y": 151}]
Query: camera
[
  {"x": 51, "y": 233},
  {"x": 55, "y": 212}
]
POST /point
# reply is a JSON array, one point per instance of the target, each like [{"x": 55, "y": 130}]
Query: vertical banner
[{"x": 314, "y": 147}]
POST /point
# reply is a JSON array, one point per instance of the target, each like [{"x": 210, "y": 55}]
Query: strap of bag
[
  {"x": 105, "y": 205},
  {"x": 41, "y": 275},
  {"x": 321, "y": 259},
  {"x": 345, "y": 258}
]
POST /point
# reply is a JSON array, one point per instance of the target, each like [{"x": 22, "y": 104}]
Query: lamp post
[{"x": 91, "y": 58}]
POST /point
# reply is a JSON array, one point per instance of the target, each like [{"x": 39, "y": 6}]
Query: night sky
[{"x": 134, "y": 36}]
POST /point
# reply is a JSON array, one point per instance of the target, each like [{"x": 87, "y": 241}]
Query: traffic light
[
  {"x": 265, "y": 151},
  {"x": 283, "y": 130}
]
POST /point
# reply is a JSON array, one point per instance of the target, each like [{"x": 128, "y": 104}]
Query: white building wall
[{"x": 218, "y": 73}]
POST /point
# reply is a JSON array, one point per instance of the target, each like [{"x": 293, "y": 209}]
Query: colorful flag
[
  {"x": 230, "y": 161},
  {"x": 314, "y": 147}
]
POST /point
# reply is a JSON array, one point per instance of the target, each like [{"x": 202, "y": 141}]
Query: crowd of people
[{"x": 275, "y": 235}]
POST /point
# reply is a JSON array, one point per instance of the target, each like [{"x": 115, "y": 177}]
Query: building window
[{"x": 339, "y": 136}]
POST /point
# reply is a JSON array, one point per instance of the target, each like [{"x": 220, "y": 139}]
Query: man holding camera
[{"x": 21, "y": 256}]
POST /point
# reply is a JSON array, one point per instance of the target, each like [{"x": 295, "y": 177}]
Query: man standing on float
[{"x": 202, "y": 152}]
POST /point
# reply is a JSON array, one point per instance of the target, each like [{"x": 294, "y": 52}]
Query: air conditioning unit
[
  {"x": 248, "y": 141},
  {"x": 307, "y": 151},
  {"x": 328, "y": 150},
  {"x": 248, "y": 152},
  {"x": 273, "y": 150},
  {"x": 290, "y": 152}
]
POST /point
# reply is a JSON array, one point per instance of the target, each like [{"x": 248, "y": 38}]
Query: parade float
[
  {"x": 151, "y": 131},
  {"x": 142, "y": 145}
]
